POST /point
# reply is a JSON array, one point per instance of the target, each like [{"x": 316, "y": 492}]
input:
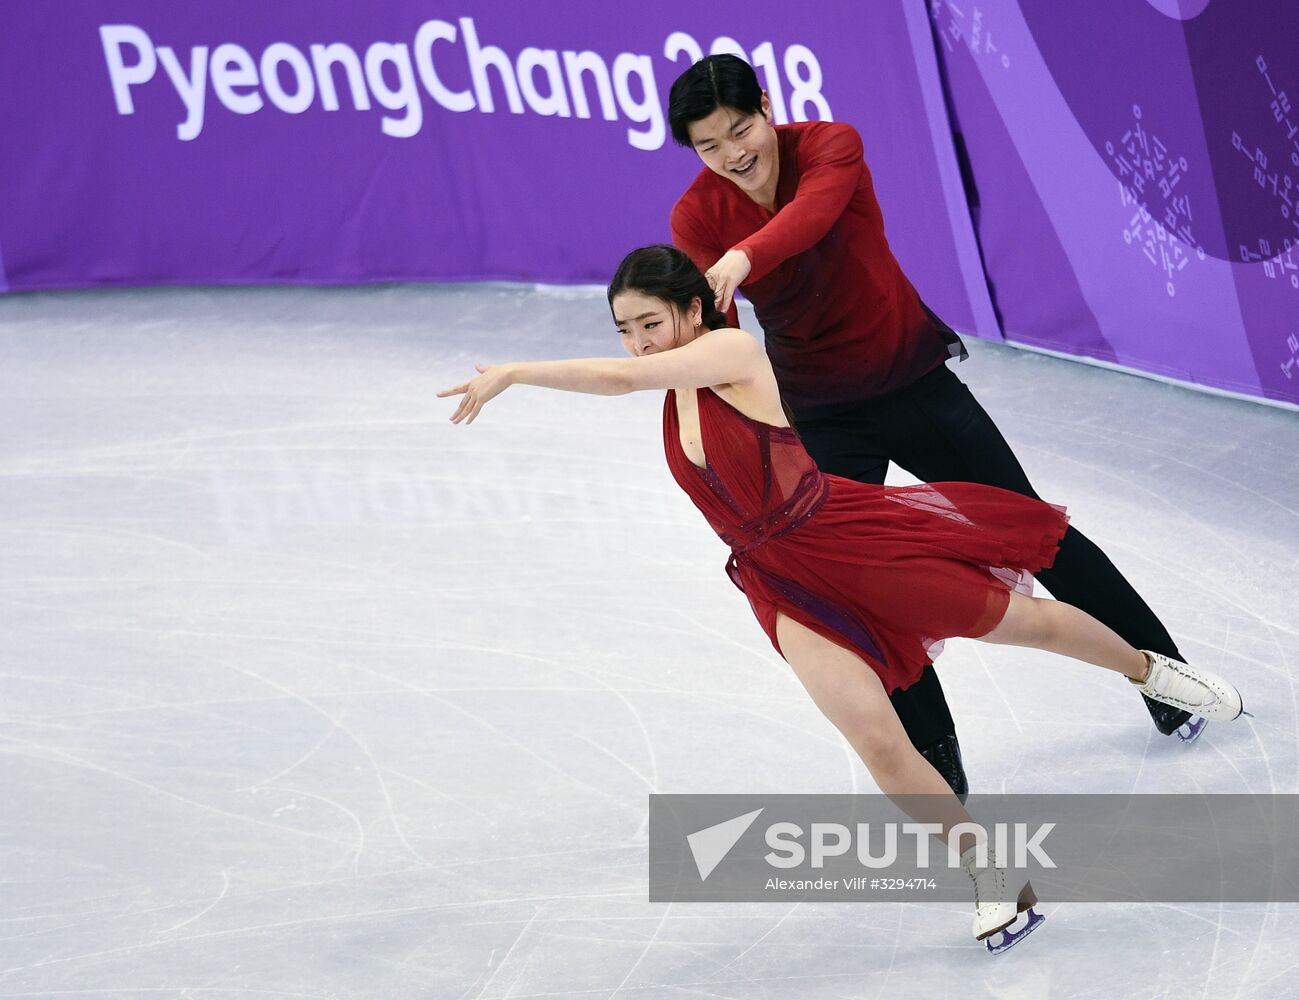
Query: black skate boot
[
  {"x": 1169, "y": 720},
  {"x": 923, "y": 712},
  {"x": 945, "y": 757}
]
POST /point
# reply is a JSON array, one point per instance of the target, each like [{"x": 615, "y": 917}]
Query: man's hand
[
  {"x": 492, "y": 381},
  {"x": 725, "y": 276}
]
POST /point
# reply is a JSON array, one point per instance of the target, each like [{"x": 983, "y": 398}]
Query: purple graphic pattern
[{"x": 1188, "y": 110}]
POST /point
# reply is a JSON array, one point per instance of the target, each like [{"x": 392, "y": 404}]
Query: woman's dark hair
[
  {"x": 664, "y": 272},
  {"x": 721, "y": 81}
]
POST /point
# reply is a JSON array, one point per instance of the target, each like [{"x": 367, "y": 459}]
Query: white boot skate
[
  {"x": 998, "y": 903},
  {"x": 1196, "y": 691}
]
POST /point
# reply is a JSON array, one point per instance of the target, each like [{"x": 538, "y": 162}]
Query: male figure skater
[{"x": 788, "y": 213}]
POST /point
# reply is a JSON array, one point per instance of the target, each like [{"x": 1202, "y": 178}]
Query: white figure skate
[
  {"x": 998, "y": 903},
  {"x": 1190, "y": 689}
]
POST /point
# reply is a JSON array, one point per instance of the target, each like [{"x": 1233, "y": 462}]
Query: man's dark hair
[
  {"x": 664, "y": 272},
  {"x": 721, "y": 81}
]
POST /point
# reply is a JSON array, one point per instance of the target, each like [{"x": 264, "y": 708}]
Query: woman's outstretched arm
[{"x": 714, "y": 358}]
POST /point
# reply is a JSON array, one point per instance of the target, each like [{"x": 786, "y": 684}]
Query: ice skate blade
[
  {"x": 1026, "y": 901},
  {"x": 1191, "y": 731},
  {"x": 1013, "y": 933}
]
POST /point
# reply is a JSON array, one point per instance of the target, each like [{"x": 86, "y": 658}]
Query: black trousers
[{"x": 937, "y": 431}]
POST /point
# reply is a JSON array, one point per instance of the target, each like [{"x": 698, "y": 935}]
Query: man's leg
[
  {"x": 939, "y": 432},
  {"x": 928, "y": 721},
  {"x": 846, "y": 445}
]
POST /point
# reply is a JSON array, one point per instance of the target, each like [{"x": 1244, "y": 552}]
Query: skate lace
[
  {"x": 989, "y": 882},
  {"x": 1175, "y": 681},
  {"x": 941, "y": 756}
]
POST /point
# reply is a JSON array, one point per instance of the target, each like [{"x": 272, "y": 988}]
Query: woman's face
[
  {"x": 740, "y": 147},
  {"x": 650, "y": 325}
]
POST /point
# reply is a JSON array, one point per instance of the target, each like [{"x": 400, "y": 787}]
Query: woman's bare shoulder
[{"x": 758, "y": 398}]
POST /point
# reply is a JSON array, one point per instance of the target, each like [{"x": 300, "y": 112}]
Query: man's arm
[
  {"x": 700, "y": 246},
  {"x": 831, "y": 164}
]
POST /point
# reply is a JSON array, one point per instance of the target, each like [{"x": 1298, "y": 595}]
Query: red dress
[{"x": 887, "y": 572}]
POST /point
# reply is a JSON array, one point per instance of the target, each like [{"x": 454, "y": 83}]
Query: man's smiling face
[{"x": 740, "y": 147}]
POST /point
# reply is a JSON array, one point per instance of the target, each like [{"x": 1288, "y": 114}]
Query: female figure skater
[{"x": 854, "y": 583}]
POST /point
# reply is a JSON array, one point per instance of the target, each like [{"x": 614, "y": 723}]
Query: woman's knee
[{"x": 884, "y": 754}]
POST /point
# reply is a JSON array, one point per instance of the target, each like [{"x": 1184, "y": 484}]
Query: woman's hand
[
  {"x": 725, "y": 276},
  {"x": 493, "y": 380}
]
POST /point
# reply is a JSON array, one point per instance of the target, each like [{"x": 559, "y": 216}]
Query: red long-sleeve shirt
[{"x": 842, "y": 321}]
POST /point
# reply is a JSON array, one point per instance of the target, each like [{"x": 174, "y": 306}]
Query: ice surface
[{"x": 306, "y": 692}]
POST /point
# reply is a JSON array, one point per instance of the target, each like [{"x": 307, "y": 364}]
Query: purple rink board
[
  {"x": 1133, "y": 162},
  {"x": 1136, "y": 164},
  {"x": 163, "y": 143}
]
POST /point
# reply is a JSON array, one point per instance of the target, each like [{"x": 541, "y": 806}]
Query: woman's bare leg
[
  {"x": 850, "y": 694},
  {"x": 852, "y": 697},
  {"x": 1061, "y": 628}
]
